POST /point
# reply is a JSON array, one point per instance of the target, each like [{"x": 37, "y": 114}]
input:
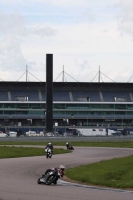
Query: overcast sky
[{"x": 81, "y": 34}]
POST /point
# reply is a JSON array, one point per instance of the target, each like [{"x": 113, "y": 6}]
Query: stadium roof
[{"x": 10, "y": 85}]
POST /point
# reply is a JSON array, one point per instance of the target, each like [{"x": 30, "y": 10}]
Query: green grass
[
  {"x": 117, "y": 173},
  {"x": 15, "y": 152},
  {"x": 120, "y": 144}
]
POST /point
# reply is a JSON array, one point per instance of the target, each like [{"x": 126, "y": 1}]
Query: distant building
[{"x": 82, "y": 104}]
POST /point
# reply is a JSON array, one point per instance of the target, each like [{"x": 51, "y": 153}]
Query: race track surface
[{"x": 18, "y": 177}]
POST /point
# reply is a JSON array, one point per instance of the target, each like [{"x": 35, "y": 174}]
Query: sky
[{"x": 84, "y": 36}]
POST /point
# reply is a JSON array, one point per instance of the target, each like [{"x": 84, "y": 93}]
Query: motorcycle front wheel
[
  {"x": 50, "y": 156},
  {"x": 51, "y": 179},
  {"x": 38, "y": 181}
]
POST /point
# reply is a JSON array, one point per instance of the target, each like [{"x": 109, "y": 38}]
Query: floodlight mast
[
  {"x": 99, "y": 75},
  {"x": 26, "y": 73},
  {"x": 63, "y": 74}
]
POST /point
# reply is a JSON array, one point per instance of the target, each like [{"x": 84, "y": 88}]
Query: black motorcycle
[
  {"x": 49, "y": 178},
  {"x": 70, "y": 147},
  {"x": 48, "y": 152}
]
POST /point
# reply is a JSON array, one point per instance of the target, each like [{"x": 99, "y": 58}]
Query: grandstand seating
[
  {"x": 94, "y": 96},
  {"x": 5, "y": 116},
  {"x": 43, "y": 93},
  {"x": 80, "y": 95},
  {"x": 109, "y": 96},
  {"x": 85, "y": 96},
  {"x": 25, "y": 116},
  {"x": 3, "y": 95},
  {"x": 32, "y": 95},
  {"x": 61, "y": 96},
  {"x": 79, "y": 104},
  {"x": 57, "y": 95}
]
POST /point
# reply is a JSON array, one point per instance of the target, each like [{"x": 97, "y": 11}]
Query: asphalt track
[{"x": 18, "y": 177}]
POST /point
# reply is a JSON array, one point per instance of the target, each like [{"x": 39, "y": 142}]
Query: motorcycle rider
[
  {"x": 60, "y": 169},
  {"x": 49, "y": 145},
  {"x": 68, "y": 146}
]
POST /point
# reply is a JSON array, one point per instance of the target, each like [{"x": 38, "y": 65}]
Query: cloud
[
  {"x": 125, "y": 18},
  {"x": 56, "y": 3},
  {"x": 12, "y": 57},
  {"x": 13, "y": 35},
  {"x": 11, "y": 24},
  {"x": 76, "y": 3},
  {"x": 80, "y": 34},
  {"x": 43, "y": 31}
]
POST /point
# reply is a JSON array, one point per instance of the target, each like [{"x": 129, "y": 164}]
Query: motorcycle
[
  {"x": 48, "y": 152},
  {"x": 49, "y": 178},
  {"x": 70, "y": 147}
]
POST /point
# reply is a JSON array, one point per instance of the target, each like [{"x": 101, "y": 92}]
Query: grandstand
[{"x": 78, "y": 104}]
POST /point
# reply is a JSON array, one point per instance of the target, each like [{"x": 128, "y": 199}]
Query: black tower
[{"x": 49, "y": 92}]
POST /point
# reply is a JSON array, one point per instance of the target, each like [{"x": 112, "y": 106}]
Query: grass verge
[
  {"x": 120, "y": 144},
  {"x": 115, "y": 173},
  {"x": 15, "y": 152}
]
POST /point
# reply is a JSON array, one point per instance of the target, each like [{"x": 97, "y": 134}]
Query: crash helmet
[
  {"x": 66, "y": 143},
  {"x": 62, "y": 167},
  {"x": 49, "y": 143}
]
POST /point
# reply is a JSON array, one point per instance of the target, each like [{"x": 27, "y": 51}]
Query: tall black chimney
[{"x": 49, "y": 92}]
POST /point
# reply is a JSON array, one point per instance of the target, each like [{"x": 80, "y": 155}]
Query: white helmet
[
  {"x": 49, "y": 143},
  {"x": 66, "y": 143},
  {"x": 62, "y": 167}
]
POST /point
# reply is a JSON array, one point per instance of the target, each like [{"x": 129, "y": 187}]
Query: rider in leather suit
[
  {"x": 61, "y": 169},
  {"x": 49, "y": 145}
]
